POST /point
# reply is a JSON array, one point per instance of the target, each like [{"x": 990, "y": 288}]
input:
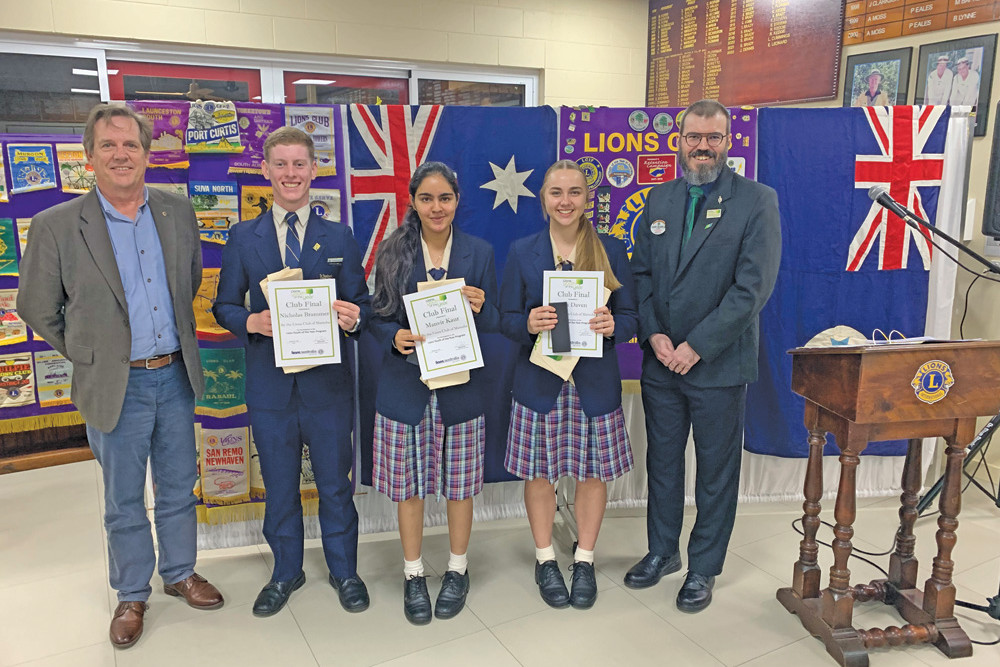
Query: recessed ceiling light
[
  {"x": 85, "y": 91},
  {"x": 313, "y": 82}
]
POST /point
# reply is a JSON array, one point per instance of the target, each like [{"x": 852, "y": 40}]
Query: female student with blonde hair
[{"x": 574, "y": 428}]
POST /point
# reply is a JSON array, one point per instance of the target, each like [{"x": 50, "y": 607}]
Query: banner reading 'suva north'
[{"x": 844, "y": 259}]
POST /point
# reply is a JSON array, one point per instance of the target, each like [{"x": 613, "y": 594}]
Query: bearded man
[{"x": 705, "y": 260}]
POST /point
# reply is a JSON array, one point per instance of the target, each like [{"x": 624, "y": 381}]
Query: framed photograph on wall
[
  {"x": 959, "y": 71},
  {"x": 877, "y": 79}
]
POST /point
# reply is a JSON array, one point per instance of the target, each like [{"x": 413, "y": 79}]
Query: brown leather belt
[{"x": 156, "y": 362}]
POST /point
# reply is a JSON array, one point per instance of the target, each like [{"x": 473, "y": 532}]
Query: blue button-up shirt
[{"x": 144, "y": 276}]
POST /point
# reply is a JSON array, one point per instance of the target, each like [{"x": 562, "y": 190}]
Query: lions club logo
[{"x": 932, "y": 381}]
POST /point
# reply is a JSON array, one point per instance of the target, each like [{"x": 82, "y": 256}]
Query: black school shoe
[
  {"x": 451, "y": 597},
  {"x": 416, "y": 601},
  {"x": 696, "y": 593},
  {"x": 551, "y": 584},
  {"x": 275, "y": 594},
  {"x": 584, "y": 586}
]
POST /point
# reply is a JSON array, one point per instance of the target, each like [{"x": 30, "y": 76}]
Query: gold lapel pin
[
  {"x": 316, "y": 247},
  {"x": 720, "y": 199}
]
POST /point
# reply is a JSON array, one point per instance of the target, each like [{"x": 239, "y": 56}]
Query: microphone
[{"x": 880, "y": 195}]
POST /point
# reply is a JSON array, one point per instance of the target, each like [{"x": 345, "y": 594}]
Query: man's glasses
[{"x": 714, "y": 139}]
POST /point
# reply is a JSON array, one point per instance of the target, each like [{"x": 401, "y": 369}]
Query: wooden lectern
[{"x": 887, "y": 392}]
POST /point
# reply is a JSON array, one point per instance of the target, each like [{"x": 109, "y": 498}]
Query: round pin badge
[
  {"x": 568, "y": 149},
  {"x": 638, "y": 120},
  {"x": 658, "y": 227},
  {"x": 663, "y": 123},
  {"x": 620, "y": 172},
  {"x": 592, "y": 169}
]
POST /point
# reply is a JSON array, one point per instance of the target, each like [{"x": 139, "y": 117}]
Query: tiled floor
[{"x": 56, "y": 602}]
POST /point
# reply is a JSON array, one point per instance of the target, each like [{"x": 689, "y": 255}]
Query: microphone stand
[{"x": 981, "y": 443}]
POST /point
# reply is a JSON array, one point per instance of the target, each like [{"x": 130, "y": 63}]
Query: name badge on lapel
[
  {"x": 713, "y": 213},
  {"x": 334, "y": 261}
]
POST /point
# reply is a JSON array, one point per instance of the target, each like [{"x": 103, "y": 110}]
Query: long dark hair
[{"x": 397, "y": 253}]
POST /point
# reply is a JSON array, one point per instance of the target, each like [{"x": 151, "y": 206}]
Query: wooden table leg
[
  {"x": 939, "y": 590},
  {"x": 902, "y": 563},
  {"x": 838, "y": 600},
  {"x": 806, "y": 573}
]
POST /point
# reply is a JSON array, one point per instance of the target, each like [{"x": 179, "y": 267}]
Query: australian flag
[
  {"x": 500, "y": 156},
  {"x": 845, "y": 260}
]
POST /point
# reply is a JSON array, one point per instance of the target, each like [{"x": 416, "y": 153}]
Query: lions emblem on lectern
[{"x": 932, "y": 381}]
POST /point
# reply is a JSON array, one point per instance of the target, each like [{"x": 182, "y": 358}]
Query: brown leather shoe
[
  {"x": 197, "y": 591},
  {"x": 126, "y": 624}
]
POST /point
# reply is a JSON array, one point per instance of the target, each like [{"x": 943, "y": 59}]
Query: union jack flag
[
  {"x": 398, "y": 139},
  {"x": 902, "y": 166}
]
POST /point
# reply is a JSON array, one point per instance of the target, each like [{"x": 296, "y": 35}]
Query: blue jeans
[{"x": 156, "y": 424}]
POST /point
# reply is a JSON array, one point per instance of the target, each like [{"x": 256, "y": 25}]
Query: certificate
[
  {"x": 303, "y": 322},
  {"x": 582, "y": 291},
  {"x": 442, "y": 315}
]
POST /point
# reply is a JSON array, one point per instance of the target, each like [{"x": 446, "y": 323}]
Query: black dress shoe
[
  {"x": 584, "y": 589},
  {"x": 451, "y": 597},
  {"x": 416, "y": 601},
  {"x": 696, "y": 593},
  {"x": 551, "y": 584},
  {"x": 352, "y": 592},
  {"x": 651, "y": 569},
  {"x": 273, "y": 597}
]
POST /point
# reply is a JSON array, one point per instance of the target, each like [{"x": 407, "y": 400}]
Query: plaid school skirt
[
  {"x": 429, "y": 458},
  {"x": 565, "y": 442}
]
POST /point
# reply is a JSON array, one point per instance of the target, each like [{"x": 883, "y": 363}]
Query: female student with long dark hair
[
  {"x": 430, "y": 442},
  {"x": 574, "y": 428}
]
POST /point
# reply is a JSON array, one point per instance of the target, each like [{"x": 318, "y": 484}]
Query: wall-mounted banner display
[
  {"x": 22, "y": 232},
  {"x": 75, "y": 172},
  {"x": 205, "y": 324},
  {"x": 55, "y": 377},
  {"x": 169, "y": 120},
  {"x": 8, "y": 253},
  {"x": 255, "y": 200},
  {"x": 317, "y": 122},
  {"x": 625, "y": 152},
  {"x": 3, "y": 182},
  {"x": 225, "y": 465},
  {"x": 225, "y": 370},
  {"x": 744, "y": 51},
  {"x": 216, "y": 205},
  {"x": 180, "y": 189},
  {"x": 256, "y": 121},
  {"x": 12, "y": 327},
  {"x": 32, "y": 167},
  {"x": 325, "y": 203},
  {"x": 17, "y": 381},
  {"x": 212, "y": 127}
]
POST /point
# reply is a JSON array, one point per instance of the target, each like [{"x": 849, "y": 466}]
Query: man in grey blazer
[
  {"x": 108, "y": 280},
  {"x": 705, "y": 260}
]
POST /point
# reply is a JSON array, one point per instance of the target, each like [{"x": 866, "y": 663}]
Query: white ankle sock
[
  {"x": 458, "y": 562},
  {"x": 413, "y": 568},
  {"x": 545, "y": 553},
  {"x": 583, "y": 556}
]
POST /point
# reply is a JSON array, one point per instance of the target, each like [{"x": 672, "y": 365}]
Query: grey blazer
[
  {"x": 710, "y": 294},
  {"x": 71, "y": 294}
]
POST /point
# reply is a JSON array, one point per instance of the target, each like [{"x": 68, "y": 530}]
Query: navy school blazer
[
  {"x": 598, "y": 380},
  {"x": 329, "y": 250},
  {"x": 401, "y": 396}
]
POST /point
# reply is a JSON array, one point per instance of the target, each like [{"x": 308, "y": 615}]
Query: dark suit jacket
[
  {"x": 711, "y": 293},
  {"x": 401, "y": 395},
  {"x": 251, "y": 253},
  {"x": 71, "y": 294},
  {"x": 598, "y": 380}
]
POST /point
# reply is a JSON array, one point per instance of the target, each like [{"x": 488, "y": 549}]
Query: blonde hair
[{"x": 590, "y": 253}]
